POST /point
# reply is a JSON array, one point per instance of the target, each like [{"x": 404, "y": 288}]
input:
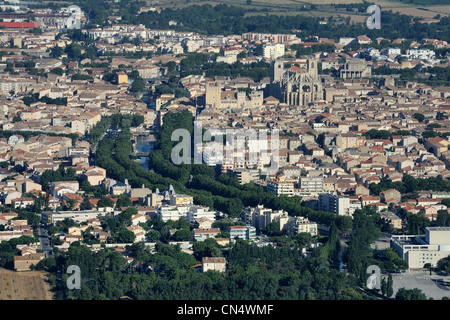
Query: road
[
  {"x": 46, "y": 242},
  {"x": 343, "y": 249}
]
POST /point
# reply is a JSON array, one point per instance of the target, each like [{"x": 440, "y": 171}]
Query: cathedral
[{"x": 296, "y": 86}]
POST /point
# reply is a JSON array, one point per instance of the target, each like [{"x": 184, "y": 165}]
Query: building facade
[
  {"x": 421, "y": 250},
  {"x": 296, "y": 86}
]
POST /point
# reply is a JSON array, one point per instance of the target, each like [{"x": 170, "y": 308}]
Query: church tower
[{"x": 276, "y": 70}]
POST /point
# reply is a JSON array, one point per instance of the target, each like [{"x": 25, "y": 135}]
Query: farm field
[
  {"x": 416, "y": 9},
  {"x": 28, "y": 285}
]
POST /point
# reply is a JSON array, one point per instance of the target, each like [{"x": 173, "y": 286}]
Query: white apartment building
[
  {"x": 274, "y": 51},
  {"x": 242, "y": 232},
  {"x": 301, "y": 224},
  {"x": 50, "y": 217},
  {"x": 343, "y": 206},
  {"x": 421, "y": 54},
  {"x": 279, "y": 187},
  {"x": 172, "y": 212},
  {"x": 259, "y": 217},
  {"x": 311, "y": 185},
  {"x": 200, "y": 212},
  {"x": 391, "y": 51},
  {"x": 189, "y": 212},
  {"x": 420, "y": 250}
]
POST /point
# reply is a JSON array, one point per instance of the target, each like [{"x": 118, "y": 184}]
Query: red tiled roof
[{"x": 20, "y": 24}]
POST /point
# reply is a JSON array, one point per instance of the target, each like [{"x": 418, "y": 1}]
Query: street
[{"x": 46, "y": 243}]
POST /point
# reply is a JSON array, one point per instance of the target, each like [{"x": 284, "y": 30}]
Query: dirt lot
[{"x": 27, "y": 285}]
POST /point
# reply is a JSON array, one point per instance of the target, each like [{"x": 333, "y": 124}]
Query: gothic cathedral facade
[{"x": 296, "y": 86}]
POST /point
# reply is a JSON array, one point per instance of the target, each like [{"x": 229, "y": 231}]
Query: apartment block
[
  {"x": 280, "y": 187},
  {"x": 311, "y": 184},
  {"x": 341, "y": 205},
  {"x": 242, "y": 232}
]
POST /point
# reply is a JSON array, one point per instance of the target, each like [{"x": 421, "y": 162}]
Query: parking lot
[{"x": 421, "y": 279}]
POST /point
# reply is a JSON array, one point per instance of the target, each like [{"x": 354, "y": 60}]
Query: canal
[{"x": 144, "y": 144}]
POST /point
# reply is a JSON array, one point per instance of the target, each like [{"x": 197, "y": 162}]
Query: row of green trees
[
  {"x": 410, "y": 184},
  {"x": 253, "y": 273}
]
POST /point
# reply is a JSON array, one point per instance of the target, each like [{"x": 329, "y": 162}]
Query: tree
[
  {"x": 105, "y": 202},
  {"x": 171, "y": 65},
  {"x": 56, "y": 52},
  {"x": 138, "y": 85},
  {"x": 153, "y": 235},
  {"x": 37, "y": 31},
  {"x": 126, "y": 236},
  {"x": 273, "y": 228},
  {"x": 58, "y": 71},
  {"x": 416, "y": 223},
  {"x": 259, "y": 50},
  {"x": 90, "y": 52},
  {"x": 183, "y": 235},
  {"x": 344, "y": 223},
  {"x": 242, "y": 54},
  {"x": 444, "y": 265},
  {"x": 304, "y": 238},
  {"x": 446, "y": 202},
  {"x": 85, "y": 205},
  {"x": 73, "y": 51},
  {"x": 207, "y": 248},
  {"x": 390, "y": 286},
  {"x": 125, "y": 216},
  {"x": 383, "y": 286},
  {"x": 420, "y": 117},
  {"x": 443, "y": 218},
  {"x": 410, "y": 294},
  {"x": 123, "y": 201}
]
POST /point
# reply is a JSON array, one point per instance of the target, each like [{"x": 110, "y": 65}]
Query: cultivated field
[
  {"x": 416, "y": 10},
  {"x": 28, "y": 285},
  {"x": 421, "y": 11}
]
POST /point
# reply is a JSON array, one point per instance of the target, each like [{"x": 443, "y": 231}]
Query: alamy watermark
[
  {"x": 74, "y": 281},
  {"x": 374, "y": 21},
  {"x": 74, "y": 21},
  {"x": 226, "y": 146},
  {"x": 374, "y": 280}
]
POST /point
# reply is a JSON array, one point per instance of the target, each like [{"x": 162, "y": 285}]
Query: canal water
[{"x": 144, "y": 144}]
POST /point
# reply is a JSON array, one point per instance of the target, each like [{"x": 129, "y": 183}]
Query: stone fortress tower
[{"x": 297, "y": 86}]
